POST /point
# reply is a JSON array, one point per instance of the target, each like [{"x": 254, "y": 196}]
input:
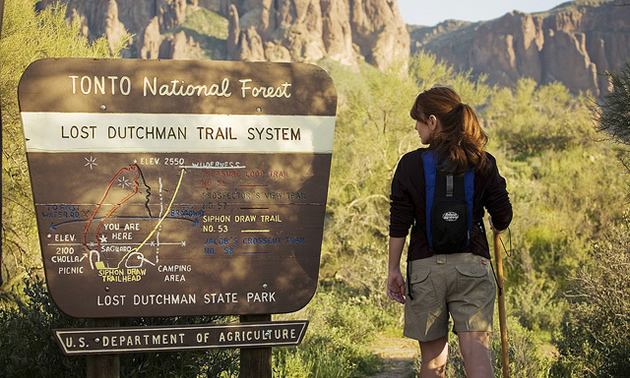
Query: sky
[{"x": 432, "y": 12}]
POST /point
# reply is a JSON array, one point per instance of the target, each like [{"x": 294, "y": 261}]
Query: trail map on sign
[{"x": 169, "y": 188}]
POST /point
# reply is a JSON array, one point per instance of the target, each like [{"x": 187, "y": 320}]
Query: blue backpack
[{"x": 449, "y": 207}]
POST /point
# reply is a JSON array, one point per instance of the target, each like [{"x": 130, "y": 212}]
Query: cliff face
[
  {"x": 268, "y": 30},
  {"x": 571, "y": 44}
]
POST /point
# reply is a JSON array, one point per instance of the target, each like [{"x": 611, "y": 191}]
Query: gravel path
[{"x": 398, "y": 355}]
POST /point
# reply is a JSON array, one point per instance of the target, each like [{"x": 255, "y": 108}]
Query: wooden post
[
  {"x": 502, "y": 316},
  {"x": 1, "y": 17},
  {"x": 104, "y": 365},
  {"x": 255, "y": 362}
]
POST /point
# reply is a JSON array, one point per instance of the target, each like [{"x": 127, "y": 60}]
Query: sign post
[
  {"x": 99, "y": 365},
  {"x": 170, "y": 188},
  {"x": 255, "y": 362}
]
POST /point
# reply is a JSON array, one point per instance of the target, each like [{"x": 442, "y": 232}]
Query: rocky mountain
[
  {"x": 268, "y": 30},
  {"x": 574, "y": 43}
]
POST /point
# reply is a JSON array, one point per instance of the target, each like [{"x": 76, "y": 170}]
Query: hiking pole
[{"x": 502, "y": 319}]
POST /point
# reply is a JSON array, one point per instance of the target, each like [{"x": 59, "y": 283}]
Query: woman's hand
[
  {"x": 494, "y": 230},
  {"x": 396, "y": 286}
]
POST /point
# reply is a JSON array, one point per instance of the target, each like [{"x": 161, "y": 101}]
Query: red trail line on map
[{"x": 100, "y": 204}]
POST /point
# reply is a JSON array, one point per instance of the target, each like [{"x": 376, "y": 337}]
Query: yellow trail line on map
[{"x": 168, "y": 209}]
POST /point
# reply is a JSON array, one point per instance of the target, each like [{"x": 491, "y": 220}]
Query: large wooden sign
[{"x": 168, "y": 188}]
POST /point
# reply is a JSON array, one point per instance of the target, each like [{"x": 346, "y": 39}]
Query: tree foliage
[
  {"x": 531, "y": 119},
  {"x": 427, "y": 71},
  {"x": 614, "y": 116},
  {"x": 28, "y": 35}
]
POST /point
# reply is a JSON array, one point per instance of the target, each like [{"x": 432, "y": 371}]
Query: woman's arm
[{"x": 395, "y": 279}]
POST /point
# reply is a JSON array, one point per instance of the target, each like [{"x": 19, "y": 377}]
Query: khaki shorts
[{"x": 461, "y": 284}]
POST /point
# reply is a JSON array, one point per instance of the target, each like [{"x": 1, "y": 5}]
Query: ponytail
[{"x": 460, "y": 142}]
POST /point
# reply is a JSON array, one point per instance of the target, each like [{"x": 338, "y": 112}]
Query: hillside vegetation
[{"x": 566, "y": 269}]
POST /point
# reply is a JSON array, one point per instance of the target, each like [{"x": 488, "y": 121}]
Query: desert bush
[
  {"x": 563, "y": 200},
  {"x": 28, "y": 346},
  {"x": 342, "y": 326},
  {"x": 427, "y": 71},
  {"x": 595, "y": 338},
  {"x": 530, "y": 119},
  {"x": 527, "y": 356}
]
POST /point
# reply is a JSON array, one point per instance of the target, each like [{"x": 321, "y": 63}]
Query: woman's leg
[
  {"x": 434, "y": 355},
  {"x": 475, "y": 350}
]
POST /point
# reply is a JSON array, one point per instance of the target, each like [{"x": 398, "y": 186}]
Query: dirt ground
[{"x": 398, "y": 355}]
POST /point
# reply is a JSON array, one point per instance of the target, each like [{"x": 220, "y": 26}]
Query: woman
[{"x": 460, "y": 282}]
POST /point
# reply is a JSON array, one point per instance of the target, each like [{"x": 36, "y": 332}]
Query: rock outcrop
[
  {"x": 309, "y": 30},
  {"x": 571, "y": 44},
  {"x": 267, "y": 30}
]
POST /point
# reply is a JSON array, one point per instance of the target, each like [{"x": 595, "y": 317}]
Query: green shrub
[
  {"x": 562, "y": 201},
  {"x": 531, "y": 119},
  {"x": 342, "y": 326},
  {"x": 526, "y": 353},
  {"x": 27, "y": 346},
  {"x": 595, "y": 339},
  {"x": 208, "y": 29},
  {"x": 529, "y": 355},
  {"x": 427, "y": 71}
]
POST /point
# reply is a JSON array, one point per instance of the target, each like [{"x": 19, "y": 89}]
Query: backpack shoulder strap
[{"x": 429, "y": 165}]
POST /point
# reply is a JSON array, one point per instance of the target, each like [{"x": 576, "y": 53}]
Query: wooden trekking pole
[{"x": 502, "y": 319}]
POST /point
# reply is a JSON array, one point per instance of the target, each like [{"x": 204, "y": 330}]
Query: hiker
[{"x": 459, "y": 282}]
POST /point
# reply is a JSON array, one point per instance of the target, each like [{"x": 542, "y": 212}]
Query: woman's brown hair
[{"x": 461, "y": 140}]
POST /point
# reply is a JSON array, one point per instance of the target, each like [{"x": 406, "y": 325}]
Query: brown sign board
[
  {"x": 180, "y": 338},
  {"x": 166, "y": 188}
]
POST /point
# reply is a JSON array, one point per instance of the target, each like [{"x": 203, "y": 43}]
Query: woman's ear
[{"x": 432, "y": 122}]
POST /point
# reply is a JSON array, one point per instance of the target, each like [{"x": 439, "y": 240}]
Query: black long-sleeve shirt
[{"x": 408, "y": 202}]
